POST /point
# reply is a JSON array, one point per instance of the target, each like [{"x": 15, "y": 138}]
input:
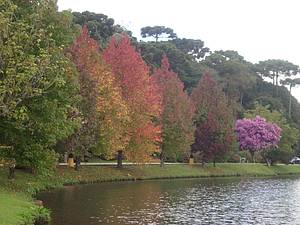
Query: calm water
[{"x": 184, "y": 201}]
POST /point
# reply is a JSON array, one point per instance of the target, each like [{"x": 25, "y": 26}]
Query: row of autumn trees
[
  {"x": 127, "y": 112},
  {"x": 65, "y": 87},
  {"x": 59, "y": 89}
]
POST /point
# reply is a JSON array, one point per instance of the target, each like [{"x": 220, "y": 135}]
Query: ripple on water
[{"x": 195, "y": 201}]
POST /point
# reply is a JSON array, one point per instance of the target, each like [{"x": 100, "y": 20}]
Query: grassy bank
[{"x": 17, "y": 207}]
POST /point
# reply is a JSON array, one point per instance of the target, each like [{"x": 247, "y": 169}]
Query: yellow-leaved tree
[{"x": 102, "y": 105}]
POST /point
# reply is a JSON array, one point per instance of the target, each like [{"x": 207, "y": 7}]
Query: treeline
[{"x": 79, "y": 83}]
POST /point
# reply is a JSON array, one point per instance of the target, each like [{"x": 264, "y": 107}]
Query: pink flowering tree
[{"x": 257, "y": 134}]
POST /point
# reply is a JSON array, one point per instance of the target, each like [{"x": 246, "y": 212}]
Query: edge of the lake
[{"x": 20, "y": 207}]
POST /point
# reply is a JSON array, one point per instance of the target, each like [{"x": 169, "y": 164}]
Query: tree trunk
[
  {"x": 120, "y": 159},
  {"x": 241, "y": 98},
  {"x": 78, "y": 161},
  {"x": 214, "y": 163},
  {"x": 11, "y": 174},
  {"x": 203, "y": 161},
  {"x": 162, "y": 159},
  {"x": 269, "y": 162},
  {"x": 277, "y": 84},
  {"x": 252, "y": 156},
  {"x": 290, "y": 102}
]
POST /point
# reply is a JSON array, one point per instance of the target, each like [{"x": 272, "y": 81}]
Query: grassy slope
[
  {"x": 16, "y": 205},
  {"x": 17, "y": 208}
]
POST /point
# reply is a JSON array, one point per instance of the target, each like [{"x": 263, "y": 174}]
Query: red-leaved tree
[
  {"x": 141, "y": 95},
  {"x": 105, "y": 113},
  {"x": 214, "y": 120},
  {"x": 177, "y": 114}
]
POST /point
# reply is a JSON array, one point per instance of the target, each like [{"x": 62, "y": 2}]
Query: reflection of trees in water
[
  {"x": 186, "y": 201},
  {"x": 138, "y": 202}
]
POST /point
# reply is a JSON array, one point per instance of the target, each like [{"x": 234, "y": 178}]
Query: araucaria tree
[
  {"x": 140, "y": 94},
  {"x": 177, "y": 114},
  {"x": 214, "y": 134},
  {"x": 257, "y": 134},
  {"x": 105, "y": 113},
  {"x": 158, "y": 32}
]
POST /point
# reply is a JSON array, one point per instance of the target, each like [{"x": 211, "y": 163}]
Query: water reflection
[{"x": 186, "y": 201}]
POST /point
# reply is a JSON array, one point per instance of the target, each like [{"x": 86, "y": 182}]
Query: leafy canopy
[
  {"x": 214, "y": 134},
  {"x": 37, "y": 81},
  {"x": 257, "y": 134},
  {"x": 158, "y": 32},
  {"x": 177, "y": 114},
  {"x": 140, "y": 94}
]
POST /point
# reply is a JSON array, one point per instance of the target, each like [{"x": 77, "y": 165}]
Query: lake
[{"x": 178, "y": 201}]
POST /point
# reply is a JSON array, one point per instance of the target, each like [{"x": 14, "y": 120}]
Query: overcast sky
[{"x": 257, "y": 29}]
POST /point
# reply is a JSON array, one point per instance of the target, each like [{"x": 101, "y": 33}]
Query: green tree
[
  {"x": 192, "y": 47},
  {"x": 37, "y": 82},
  {"x": 101, "y": 27},
  {"x": 289, "y": 134},
  {"x": 158, "y": 32},
  {"x": 291, "y": 83},
  {"x": 276, "y": 69},
  {"x": 177, "y": 114},
  {"x": 263, "y": 92},
  {"x": 236, "y": 76},
  {"x": 188, "y": 70}
]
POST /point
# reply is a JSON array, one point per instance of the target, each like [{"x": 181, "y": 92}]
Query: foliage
[
  {"x": 188, "y": 70},
  {"x": 37, "y": 83},
  {"x": 214, "y": 134},
  {"x": 276, "y": 68},
  {"x": 291, "y": 83},
  {"x": 289, "y": 134},
  {"x": 263, "y": 93},
  {"x": 257, "y": 134},
  {"x": 177, "y": 114},
  {"x": 192, "y": 47},
  {"x": 236, "y": 76},
  {"x": 158, "y": 32},
  {"x": 101, "y": 28},
  {"x": 140, "y": 94},
  {"x": 105, "y": 114}
]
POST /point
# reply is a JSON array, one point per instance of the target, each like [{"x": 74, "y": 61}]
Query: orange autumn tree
[
  {"x": 177, "y": 114},
  {"x": 102, "y": 95},
  {"x": 141, "y": 95}
]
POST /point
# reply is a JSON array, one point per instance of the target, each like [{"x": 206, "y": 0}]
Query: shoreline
[{"x": 18, "y": 195}]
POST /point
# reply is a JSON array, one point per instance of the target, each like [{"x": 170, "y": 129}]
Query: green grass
[
  {"x": 16, "y": 202},
  {"x": 17, "y": 208}
]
